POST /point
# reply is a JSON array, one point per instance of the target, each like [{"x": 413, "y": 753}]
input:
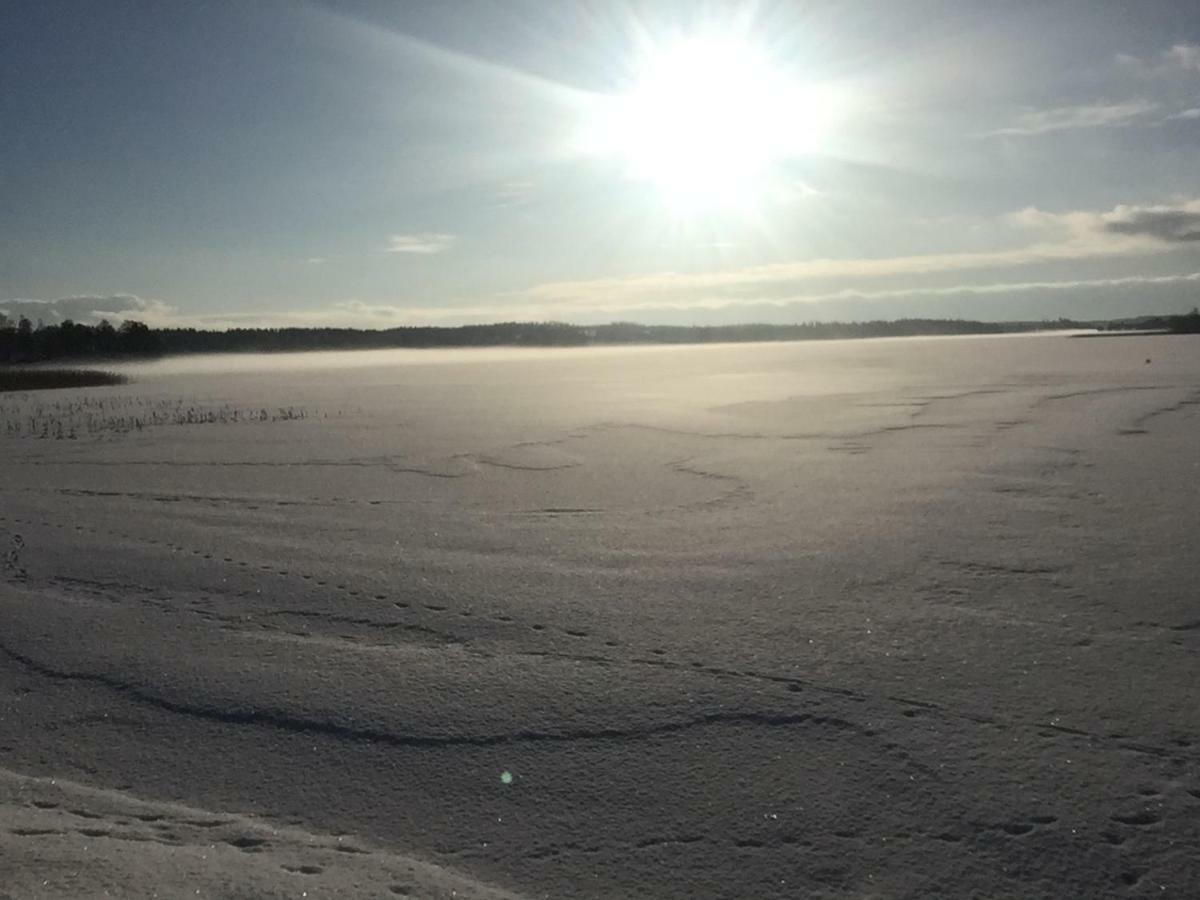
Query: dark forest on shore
[{"x": 23, "y": 342}]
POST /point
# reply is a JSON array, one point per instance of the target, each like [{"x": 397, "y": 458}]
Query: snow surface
[{"x": 875, "y": 619}]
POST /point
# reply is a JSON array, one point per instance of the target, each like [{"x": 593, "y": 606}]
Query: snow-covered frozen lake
[{"x": 889, "y": 618}]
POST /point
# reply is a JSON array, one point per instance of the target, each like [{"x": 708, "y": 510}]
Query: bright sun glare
[{"x": 708, "y": 119}]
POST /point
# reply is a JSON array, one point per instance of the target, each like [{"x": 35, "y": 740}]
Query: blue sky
[{"x": 376, "y": 164}]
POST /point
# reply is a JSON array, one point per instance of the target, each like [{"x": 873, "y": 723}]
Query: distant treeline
[
  {"x": 1189, "y": 323},
  {"x": 558, "y": 334},
  {"x": 23, "y": 342}
]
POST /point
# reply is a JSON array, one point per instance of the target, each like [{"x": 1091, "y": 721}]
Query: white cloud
[
  {"x": 1186, "y": 114},
  {"x": 88, "y": 309},
  {"x": 424, "y": 243},
  {"x": 1065, "y": 118}
]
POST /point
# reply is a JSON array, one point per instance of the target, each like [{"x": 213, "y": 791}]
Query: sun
[{"x": 708, "y": 120}]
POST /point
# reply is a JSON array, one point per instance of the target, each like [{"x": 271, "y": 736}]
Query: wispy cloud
[
  {"x": 790, "y": 307},
  {"x": 1185, "y": 56},
  {"x": 423, "y": 243},
  {"x": 758, "y": 281},
  {"x": 843, "y": 303},
  {"x": 1005, "y": 287},
  {"x": 822, "y": 285},
  {"x": 1048, "y": 237},
  {"x": 530, "y": 311},
  {"x": 1178, "y": 59},
  {"x": 1170, "y": 75},
  {"x": 1065, "y": 118},
  {"x": 513, "y": 193}
]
